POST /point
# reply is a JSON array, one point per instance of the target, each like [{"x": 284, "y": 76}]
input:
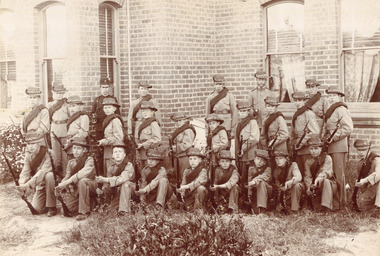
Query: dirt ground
[{"x": 21, "y": 233}]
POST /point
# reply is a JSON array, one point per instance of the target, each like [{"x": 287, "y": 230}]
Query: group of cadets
[{"x": 268, "y": 167}]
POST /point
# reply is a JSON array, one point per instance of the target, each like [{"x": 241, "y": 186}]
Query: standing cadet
[
  {"x": 59, "y": 115},
  {"x": 222, "y": 103},
  {"x": 259, "y": 177},
  {"x": 112, "y": 130},
  {"x": 154, "y": 186},
  {"x": 148, "y": 131},
  {"x": 274, "y": 133},
  {"x": 37, "y": 174},
  {"x": 257, "y": 95},
  {"x": 78, "y": 123},
  {"x": 319, "y": 176},
  {"x": 368, "y": 177},
  {"x": 304, "y": 126},
  {"x": 97, "y": 112},
  {"x": 79, "y": 179},
  {"x": 217, "y": 137},
  {"x": 226, "y": 184},
  {"x": 316, "y": 102},
  {"x": 135, "y": 116},
  {"x": 338, "y": 126},
  {"x": 37, "y": 117},
  {"x": 120, "y": 179},
  {"x": 194, "y": 180},
  {"x": 183, "y": 139}
]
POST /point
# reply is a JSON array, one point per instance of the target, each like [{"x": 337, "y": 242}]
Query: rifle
[
  {"x": 175, "y": 164},
  {"x": 240, "y": 151},
  {"x": 18, "y": 129},
  {"x": 23, "y": 197},
  {"x": 211, "y": 168},
  {"x": 329, "y": 139},
  {"x": 135, "y": 161},
  {"x": 271, "y": 145},
  {"x": 355, "y": 193},
  {"x": 298, "y": 144}
]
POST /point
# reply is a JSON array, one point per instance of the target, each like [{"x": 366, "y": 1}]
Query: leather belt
[
  {"x": 222, "y": 112},
  {"x": 60, "y": 122}
]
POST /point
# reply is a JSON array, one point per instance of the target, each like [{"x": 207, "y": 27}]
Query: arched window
[
  {"x": 284, "y": 47},
  {"x": 108, "y": 42},
  {"x": 7, "y": 57},
  {"x": 55, "y": 43},
  {"x": 360, "y": 26}
]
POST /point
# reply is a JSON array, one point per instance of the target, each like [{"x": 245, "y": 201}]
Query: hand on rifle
[
  {"x": 62, "y": 185},
  {"x": 285, "y": 187},
  {"x": 314, "y": 186},
  {"x": 102, "y": 142},
  {"x": 253, "y": 183},
  {"x": 58, "y": 191},
  {"x": 361, "y": 183},
  {"x": 140, "y": 192},
  {"x": 139, "y": 145},
  {"x": 182, "y": 189},
  {"x": 22, "y": 188},
  {"x": 101, "y": 179}
]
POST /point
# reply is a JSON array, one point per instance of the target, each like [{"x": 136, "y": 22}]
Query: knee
[
  {"x": 297, "y": 187},
  {"x": 163, "y": 182},
  {"x": 49, "y": 177},
  {"x": 261, "y": 185},
  {"x": 201, "y": 190}
]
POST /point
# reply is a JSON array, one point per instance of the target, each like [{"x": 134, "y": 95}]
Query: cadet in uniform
[
  {"x": 37, "y": 174},
  {"x": 316, "y": 102},
  {"x": 59, "y": 115},
  {"x": 338, "y": 118},
  {"x": 222, "y": 103}
]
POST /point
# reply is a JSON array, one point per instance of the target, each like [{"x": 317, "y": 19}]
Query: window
[
  {"x": 284, "y": 47},
  {"x": 55, "y": 42},
  {"x": 360, "y": 26},
  {"x": 7, "y": 58},
  {"x": 108, "y": 43}
]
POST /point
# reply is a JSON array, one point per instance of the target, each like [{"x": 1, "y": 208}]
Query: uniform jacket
[
  {"x": 200, "y": 180},
  {"x": 320, "y": 107},
  {"x": 308, "y": 117},
  {"x": 88, "y": 171},
  {"x": 293, "y": 175},
  {"x": 61, "y": 115},
  {"x": 79, "y": 127},
  {"x": 149, "y": 135},
  {"x": 97, "y": 109},
  {"x": 233, "y": 180},
  {"x": 256, "y": 99},
  {"x": 183, "y": 141},
  {"x": 325, "y": 171},
  {"x": 227, "y": 104},
  {"x": 280, "y": 127},
  {"x": 36, "y": 181},
  {"x": 251, "y": 135},
  {"x": 373, "y": 176},
  {"x": 219, "y": 141},
  {"x": 128, "y": 174},
  {"x": 139, "y": 116},
  {"x": 41, "y": 123},
  {"x": 154, "y": 182},
  {"x": 265, "y": 176},
  {"x": 113, "y": 132},
  {"x": 346, "y": 126}
]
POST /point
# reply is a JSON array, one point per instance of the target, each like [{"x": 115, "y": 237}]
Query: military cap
[
  {"x": 243, "y": 104},
  {"x": 214, "y": 117},
  {"x": 80, "y": 141},
  {"x": 154, "y": 154},
  {"x": 33, "y": 91},
  {"x": 178, "y": 116},
  {"x": 144, "y": 84},
  {"x": 33, "y": 137},
  {"x": 272, "y": 101},
  {"x": 312, "y": 82},
  {"x": 59, "y": 88},
  {"x": 119, "y": 144},
  {"x": 334, "y": 89},
  {"x": 74, "y": 99},
  {"x": 299, "y": 95},
  {"x": 262, "y": 153},
  {"x": 110, "y": 101},
  {"x": 360, "y": 143},
  {"x": 218, "y": 78},
  {"x": 261, "y": 74},
  {"x": 280, "y": 153},
  {"x": 315, "y": 141},
  {"x": 195, "y": 152},
  {"x": 148, "y": 105},
  {"x": 225, "y": 154},
  {"x": 105, "y": 81}
]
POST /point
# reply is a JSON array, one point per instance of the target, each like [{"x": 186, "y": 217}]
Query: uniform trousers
[
  {"x": 263, "y": 191},
  {"x": 161, "y": 193},
  {"x": 196, "y": 198},
  {"x": 228, "y": 197},
  {"x": 121, "y": 195},
  {"x": 339, "y": 165},
  {"x": 44, "y": 196},
  {"x": 60, "y": 156},
  {"x": 79, "y": 200}
]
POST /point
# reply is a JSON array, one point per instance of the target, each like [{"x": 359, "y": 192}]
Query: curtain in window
[{"x": 361, "y": 74}]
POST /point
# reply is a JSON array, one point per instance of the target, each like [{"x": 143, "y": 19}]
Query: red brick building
[{"x": 178, "y": 45}]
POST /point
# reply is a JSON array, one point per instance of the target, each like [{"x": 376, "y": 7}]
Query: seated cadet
[
  {"x": 368, "y": 184},
  {"x": 79, "y": 179},
  {"x": 78, "y": 123},
  {"x": 225, "y": 184},
  {"x": 37, "y": 175},
  {"x": 259, "y": 177},
  {"x": 112, "y": 130},
  {"x": 183, "y": 139},
  {"x": 148, "y": 131},
  {"x": 194, "y": 180},
  {"x": 154, "y": 185},
  {"x": 120, "y": 179},
  {"x": 286, "y": 177},
  {"x": 319, "y": 176}
]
